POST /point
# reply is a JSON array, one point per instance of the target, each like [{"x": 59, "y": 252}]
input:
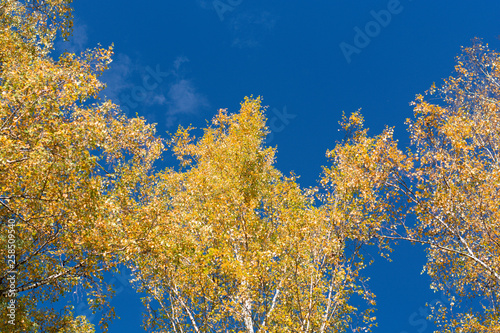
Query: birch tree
[
  {"x": 73, "y": 172},
  {"x": 241, "y": 248},
  {"x": 449, "y": 181}
]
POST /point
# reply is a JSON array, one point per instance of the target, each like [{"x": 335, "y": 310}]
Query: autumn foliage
[
  {"x": 224, "y": 241},
  {"x": 239, "y": 247},
  {"x": 448, "y": 181},
  {"x": 72, "y": 169}
]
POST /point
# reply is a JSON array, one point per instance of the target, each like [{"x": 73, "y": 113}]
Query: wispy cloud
[
  {"x": 136, "y": 87},
  {"x": 77, "y": 42},
  {"x": 249, "y": 27},
  {"x": 205, "y": 4},
  {"x": 178, "y": 63},
  {"x": 119, "y": 77},
  {"x": 183, "y": 98}
]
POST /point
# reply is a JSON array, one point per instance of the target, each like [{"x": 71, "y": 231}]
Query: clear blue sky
[{"x": 177, "y": 62}]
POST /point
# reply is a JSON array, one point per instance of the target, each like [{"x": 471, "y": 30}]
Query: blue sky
[{"x": 177, "y": 62}]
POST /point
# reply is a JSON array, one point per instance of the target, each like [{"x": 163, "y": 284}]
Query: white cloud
[
  {"x": 118, "y": 77},
  {"x": 178, "y": 62},
  {"x": 135, "y": 87},
  {"x": 249, "y": 27},
  {"x": 183, "y": 98},
  {"x": 205, "y": 4},
  {"x": 77, "y": 42}
]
